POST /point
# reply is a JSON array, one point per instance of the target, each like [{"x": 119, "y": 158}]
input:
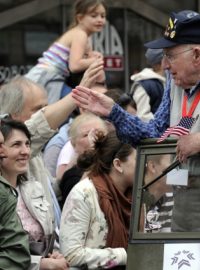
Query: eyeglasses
[
  {"x": 3, "y": 117},
  {"x": 172, "y": 56}
]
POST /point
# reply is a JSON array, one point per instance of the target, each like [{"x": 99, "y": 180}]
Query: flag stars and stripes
[{"x": 183, "y": 128}]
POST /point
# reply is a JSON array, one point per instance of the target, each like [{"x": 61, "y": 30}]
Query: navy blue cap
[{"x": 183, "y": 28}]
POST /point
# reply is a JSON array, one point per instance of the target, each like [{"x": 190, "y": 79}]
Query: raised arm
[
  {"x": 129, "y": 128},
  {"x": 95, "y": 73},
  {"x": 78, "y": 60},
  {"x": 92, "y": 101},
  {"x": 59, "y": 111}
]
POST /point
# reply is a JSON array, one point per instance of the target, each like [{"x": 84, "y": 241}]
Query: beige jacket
[
  {"x": 40, "y": 134},
  {"x": 35, "y": 200}
]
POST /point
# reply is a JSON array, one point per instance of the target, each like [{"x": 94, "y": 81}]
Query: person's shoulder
[
  {"x": 8, "y": 194},
  {"x": 83, "y": 191},
  {"x": 85, "y": 182},
  {"x": 5, "y": 185},
  {"x": 74, "y": 34},
  {"x": 78, "y": 30},
  {"x": 78, "y": 34},
  {"x": 84, "y": 187},
  {"x": 33, "y": 187}
]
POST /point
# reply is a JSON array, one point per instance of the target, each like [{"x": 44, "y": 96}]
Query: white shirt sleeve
[{"x": 66, "y": 154}]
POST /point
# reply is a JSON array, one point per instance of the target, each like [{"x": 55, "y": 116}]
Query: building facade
[{"x": 28, "y": 27}]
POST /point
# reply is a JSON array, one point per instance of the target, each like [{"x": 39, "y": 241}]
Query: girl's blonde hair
[
  {"x": 80, "y": 121},
  {"x": 82, "y": 7}
]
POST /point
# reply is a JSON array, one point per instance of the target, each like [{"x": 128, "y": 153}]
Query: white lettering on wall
[
  {"x": 108, "y": 41},
  {"x": 6, "y": 73},
  {"x": 115, "y": 42}
]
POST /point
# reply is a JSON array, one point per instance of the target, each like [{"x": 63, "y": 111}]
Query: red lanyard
[{"x": 193, "y": 105}]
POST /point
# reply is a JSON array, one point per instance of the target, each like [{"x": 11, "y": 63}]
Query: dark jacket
[
  {"x": 70, "y": 178},
  {"x": 14, "y": 245}
]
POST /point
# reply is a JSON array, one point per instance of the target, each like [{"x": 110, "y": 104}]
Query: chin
[
  {"x": 179, "y": 83},
  {"x": 99, "y": 29},
  {"x": 183, "y": 84},
  {"x": 22, "y": 171}
]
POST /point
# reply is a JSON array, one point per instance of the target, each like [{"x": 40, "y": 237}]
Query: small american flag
[{"x": 183, "y": 128}]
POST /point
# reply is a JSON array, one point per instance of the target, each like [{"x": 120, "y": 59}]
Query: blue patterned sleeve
[{"x": 131, "y": 129}]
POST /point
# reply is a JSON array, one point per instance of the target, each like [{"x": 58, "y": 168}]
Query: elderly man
[
  {"x": 26, "y": 101},
  {"x": 14, "y": 247},
  {"x": 181, "y": 46}
]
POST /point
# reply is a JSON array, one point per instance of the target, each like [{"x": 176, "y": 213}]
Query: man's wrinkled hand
[{"x": 188, "y": 145}]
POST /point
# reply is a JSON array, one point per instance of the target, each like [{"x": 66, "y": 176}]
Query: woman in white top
[{"x": 95, "y": 218}]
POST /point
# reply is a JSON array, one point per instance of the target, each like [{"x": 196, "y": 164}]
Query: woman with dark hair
[
  {"x": 95, "y": 219},
  {"x": 32, "y": 206},
  {"x": 14, "y": 249}
]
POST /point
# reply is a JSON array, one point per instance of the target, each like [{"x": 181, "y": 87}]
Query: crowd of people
[{"x": 68, "y": 157}]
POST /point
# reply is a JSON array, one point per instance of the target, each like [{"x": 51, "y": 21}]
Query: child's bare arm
[{"x": 80, "y": 59}]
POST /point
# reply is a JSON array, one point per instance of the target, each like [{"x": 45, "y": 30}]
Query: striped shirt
[
  {"x": 159, "y": 215},
  {"x": 165, "y": 212},
  {"x": 56, "y": 56}
]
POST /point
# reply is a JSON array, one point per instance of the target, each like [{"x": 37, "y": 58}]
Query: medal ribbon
[{"x": 192, "y": 107}]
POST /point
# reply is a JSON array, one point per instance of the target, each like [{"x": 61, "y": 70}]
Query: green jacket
[{"x": 14, "y": 244}]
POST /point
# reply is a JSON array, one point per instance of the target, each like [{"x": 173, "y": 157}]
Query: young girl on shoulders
[{"x": 72, "y": 52}]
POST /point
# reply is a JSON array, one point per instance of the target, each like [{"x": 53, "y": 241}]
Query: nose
[
  {"x": 101, "y": 19},
  {"x": 165, "y": 63},
  {"x": 25, "y": 149}
]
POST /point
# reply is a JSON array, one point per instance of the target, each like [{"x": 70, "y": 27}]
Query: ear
[
  {"x": 196, "y": 51},
  {"x": 118, "y": 165},
  {"x": 73, "y": 142},
  {"x": 151, "y": 167},
  {"x": 81, "y": 110},
  {"x": 79, "y": 17},
  {"x": 16, "y": 116}
]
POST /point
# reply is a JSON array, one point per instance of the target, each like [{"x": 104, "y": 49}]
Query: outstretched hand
[{"x": 92, "y": 101}]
